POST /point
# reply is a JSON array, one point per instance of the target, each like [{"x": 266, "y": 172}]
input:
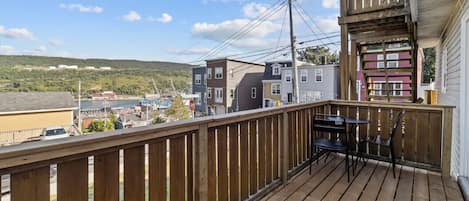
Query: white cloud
[
  {"x": 327, "y": 24},
  {"x": 40, "y": 49},
  {"x": 56, "y": 42},
  {"x": 190, "y": 51},
  {"x": 6, "y": 49},
  {"x": 17, "y": 33},
  {"x": 253, "y": 9},
  {"x": 82, "y": 8},
  {"x": 330, "y": 3},
  {"x": 223, "y": 1},
  {"x": 132, "y": 16},
  {"x": 165, "y": 18}
]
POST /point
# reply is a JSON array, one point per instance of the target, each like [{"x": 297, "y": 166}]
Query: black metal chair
[
  {"x": 384, "y": 142},
  {"x": 329, "y": 134}
]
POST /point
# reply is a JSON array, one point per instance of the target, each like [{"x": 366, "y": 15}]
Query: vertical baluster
[
  {"x": 106, "y": 176},
  {"x": 275, "y": 146},
  {"x": 244, "y": 156},
  {"x": 177, "y": 171},
  {"x": 30, "y": 185},
  {"x": 157, "y": 170},
  {"x": 222, "y": 163},
  {"x": 234, "y": 163},
  {"x": 72, "y": 180},
  {"x": 134, "y": 173},
  {"x": 261, "y": 150},
  {"x": 212, "y": 162},
  {"x": 253, "y": 156},
  {"x": 268, "y": 149}
]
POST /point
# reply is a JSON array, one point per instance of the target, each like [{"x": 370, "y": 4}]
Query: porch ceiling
[{"x": 431, "y": 17}]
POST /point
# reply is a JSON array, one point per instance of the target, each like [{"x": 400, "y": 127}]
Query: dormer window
[{"x": 276, "y": 69}]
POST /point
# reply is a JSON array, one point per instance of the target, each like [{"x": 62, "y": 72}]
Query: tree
[
  {"x": 156, "y": 117},
  {"x": 178, "y": 110},
  {"x": 429, "y": 65},
  {"x": 100, "y": 126},
  {"x": 318, "y": 55}
]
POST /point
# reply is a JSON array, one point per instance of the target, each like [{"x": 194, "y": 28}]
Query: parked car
[{"x": 54, "y": 133}]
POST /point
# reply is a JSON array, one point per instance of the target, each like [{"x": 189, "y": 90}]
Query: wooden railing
[
  {"x": 238, "y": 156},
  {"x": 364, "y": 6}
]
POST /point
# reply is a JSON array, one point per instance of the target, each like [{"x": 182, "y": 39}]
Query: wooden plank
[
  {"x": 342, "y": 185},
  {"x": 284, "y": 145},
  {"x": 212, "y": 163},
  {"x": 252, "y": 157},
  {"x": 244, "y": 159},
  {"x": 386, "y": 126},
  {"x": 398, "y": 136},
  {"x": 294, "y": 145},
  {"x": 423, "y": 120},
  {"x": 410, "y": 136},
  {"x": 435, "y": 186},
  {"x": 291, "y": 153},
  {"x": 30, "y": 185},
  {"x": 222, "y": 163},
  {"x": 268, "y": 150},
  {"x": 434, "y": 139},
  {"x": 327, "y": 184},
  {"x": 389, "y": 185},
  {"x": 234, "y": 163},
  {"x": 374, "y": 120},
  {"x": 367, "y": 4},
  {"x": 157, "y": 170},
  {"x": 134, "y": 173},
  {"x": 190, "y": 166},
  {"x": 275, "y": 146},
  {"x": 359, "y": 183},
  {"x": 106, "y": 176},
  {"x": 177, "y": 175},
  {"x": 261, "y": 150},
  {"x": 201, "y": 163},
  {"x": 72, "y": 180},
  {"x": 374, "y": 184},
  {"x": 420, "y": 191},
  {"x": 452, "y": 189},
  {"x": 297, "y": 182},
  {"x": 363, "y": 128},
  {"x": 314, "y": 181},
  {"x": 447, "y": 141},
  {"x": 404, "y": 189},
  {"x": 300, "y": 136}
]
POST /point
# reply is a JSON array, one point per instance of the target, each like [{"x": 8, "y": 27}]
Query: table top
[{"x": 349, "y": 120}]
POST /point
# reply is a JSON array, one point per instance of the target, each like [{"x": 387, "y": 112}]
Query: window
[
  {"x": 289, "y": 97},
  {"x": 276, "y": 69},
  {"x": 380, "y": 57},
  {"x": 380, "y": 65},
  {"x": 377, "y": 88},
  {"x": 394, "y": 56},
  {"x": 218, "y": 95},
  {"x": 209, "y": 93},
  {"x": 390, "y": 64},
  {"x": 396, "y": 88},
  {"x": 318, "y": 74},
  {"x": 393, "y": 64},
  {"x": 232, "y": 93},
  {"x": 444, "y": 69},
  {"x": 275, "y": 89},
  {"x": 209, "y": 73},
  {"x": 198, "y": 79},
  {"x": 253, "y": 92},
  {"x": 218, "y": 73},
  {"x": 304, "y": 76},
  {"x": 288, "y": 76},
  {"x": 199, "y": 98}
]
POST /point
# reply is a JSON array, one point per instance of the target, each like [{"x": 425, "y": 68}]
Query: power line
[
  {"x": 245, "y": 29},
  {"x": 306, "y": 22},
  {"x": 281, "y": 30}
]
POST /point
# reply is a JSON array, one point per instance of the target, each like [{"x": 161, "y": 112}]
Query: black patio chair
[
  {"x": 329, "y": 134},
  {"x": 383, "y": 142}
]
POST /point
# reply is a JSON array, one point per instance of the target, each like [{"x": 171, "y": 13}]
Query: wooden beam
[
  {"x": 353, "y": 70},
  {"x": 284, "y": 150},
  {"x": 388, "y": 13},
  {"x": 201, "y": 164},
  {"x": 447, "y": 141}
]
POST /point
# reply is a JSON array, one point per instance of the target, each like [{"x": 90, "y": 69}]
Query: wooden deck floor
[{"x": 373, "y": 181}]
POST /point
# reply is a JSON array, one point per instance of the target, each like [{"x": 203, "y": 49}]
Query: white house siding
[{"x": 451, "y": 40}]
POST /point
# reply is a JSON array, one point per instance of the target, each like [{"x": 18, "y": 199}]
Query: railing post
[
  {"x": 284, "y": 149},
  {"x": 447, "y": 137},
  {"x": 201, "y": 164}
]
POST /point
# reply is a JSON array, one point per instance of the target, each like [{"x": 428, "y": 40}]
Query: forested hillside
[{"x": 127, "y": 77}]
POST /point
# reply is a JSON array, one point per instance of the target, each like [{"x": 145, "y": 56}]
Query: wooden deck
[{"x": 373, "y": 181}]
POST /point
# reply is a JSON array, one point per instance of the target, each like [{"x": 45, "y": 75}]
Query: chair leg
[
  {"x": 347, "y": 166},
  {"x": 393, "y": 158},
  {"x": 327, "y": 156}
]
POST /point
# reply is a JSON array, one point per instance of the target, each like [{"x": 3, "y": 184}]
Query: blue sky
[{"x": 170, "y": 30}]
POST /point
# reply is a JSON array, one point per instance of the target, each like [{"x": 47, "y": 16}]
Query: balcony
[{"x": 251, "y": 155}]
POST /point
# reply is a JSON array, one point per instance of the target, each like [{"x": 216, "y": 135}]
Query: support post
[
  {"x": 344, "y": 77},
  {"x": 284, "y": 149},
  {"x": 201, "y": 164},
  {"x": 353, "y": 70},
  {"x": 447, "y": 141}
]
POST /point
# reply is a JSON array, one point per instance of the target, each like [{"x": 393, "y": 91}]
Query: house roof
[{"x": 20, "y": 102}]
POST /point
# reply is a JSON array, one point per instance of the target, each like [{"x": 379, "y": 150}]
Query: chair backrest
[
  {"x": 329, "y": 123},
  {"x": 396, "y": 124}
]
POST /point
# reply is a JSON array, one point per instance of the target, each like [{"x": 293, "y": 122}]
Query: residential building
[
  {"x": 233, "y": 85},
  {"x": 199, "y": 87},
  {"x": 371, "y": 75},
  {"x": 24, "y": 115},
  {"x": 271, "y": 82},
  {"x": 316, "y": 82},
  {"x": 106, "y": 95},
  {"x": 105, "y": 68}
]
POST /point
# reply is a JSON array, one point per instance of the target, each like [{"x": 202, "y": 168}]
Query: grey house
[
  {"x": 272, "y": 81},
  {"x": 199, "y": 87},
  {"x": 233, "y": 85},
  {"x": 316, "y": 82}
]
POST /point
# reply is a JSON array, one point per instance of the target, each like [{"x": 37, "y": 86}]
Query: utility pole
[
  {"x": 79, "y": 105},
  {"x": 296, "y": 88}
]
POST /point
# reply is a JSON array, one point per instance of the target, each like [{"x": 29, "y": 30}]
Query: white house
[{"x": 105, "y": 68}]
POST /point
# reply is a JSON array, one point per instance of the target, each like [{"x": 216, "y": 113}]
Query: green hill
[
  {"x": 13, "y": 60},
  {"x": 127, "y": 77}
]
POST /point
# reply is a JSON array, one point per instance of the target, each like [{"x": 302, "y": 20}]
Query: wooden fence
[
  {"x": 238, "y": 156},
  {"x": 364, "y": 6}
]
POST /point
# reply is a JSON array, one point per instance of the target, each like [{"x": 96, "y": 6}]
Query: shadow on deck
[{"x": 373, "y": 181}]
